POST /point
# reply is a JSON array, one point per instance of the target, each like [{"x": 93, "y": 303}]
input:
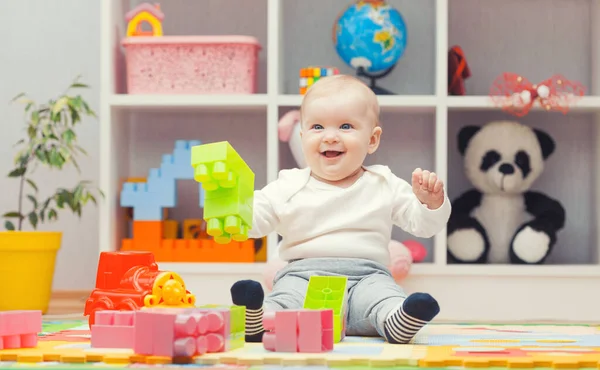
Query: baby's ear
[{"x": 375, "y": 139}]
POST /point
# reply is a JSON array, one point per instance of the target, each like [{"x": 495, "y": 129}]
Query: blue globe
[{"x": 370, "y": 34}]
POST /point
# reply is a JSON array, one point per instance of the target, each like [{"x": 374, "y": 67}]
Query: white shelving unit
[{"x": 420, "y": 126}]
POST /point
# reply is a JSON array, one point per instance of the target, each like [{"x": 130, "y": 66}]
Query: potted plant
[{"x": 27, "y": 257}]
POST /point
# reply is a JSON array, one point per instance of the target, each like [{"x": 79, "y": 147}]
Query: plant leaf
[
  {"x": 17, "y": 172},
  {"x": 52, "y": 215},
  {"x": 33, "y": 218},
  {"x": 9, "y": 226},
  {"x": 32, "y": 184},
  {"x": 33, "y": 200},
  {"x": 12, "y": 215}
]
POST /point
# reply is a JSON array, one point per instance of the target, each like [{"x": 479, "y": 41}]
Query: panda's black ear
[
  {"x": 546, "y": 143},
  {"x": 464, "y": 136}
]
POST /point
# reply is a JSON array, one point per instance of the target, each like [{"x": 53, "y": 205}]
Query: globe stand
[{"x": 361, "y": 72}]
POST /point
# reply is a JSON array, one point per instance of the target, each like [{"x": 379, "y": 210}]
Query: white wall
[{"x": 45, "y": 44}]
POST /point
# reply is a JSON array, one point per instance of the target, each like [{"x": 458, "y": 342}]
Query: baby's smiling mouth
[{"x": 331, "y": 153}]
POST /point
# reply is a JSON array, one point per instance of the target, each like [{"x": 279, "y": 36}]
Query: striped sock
[
  {"x": 403, "y": 323},
  {"x": 250, "y": 294},
  {"x": 254, "y": 322}
]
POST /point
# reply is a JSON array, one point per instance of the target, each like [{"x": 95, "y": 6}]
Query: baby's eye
[
  {"x": 346, "y": 126},
  {"x": 317, "y": 127}
]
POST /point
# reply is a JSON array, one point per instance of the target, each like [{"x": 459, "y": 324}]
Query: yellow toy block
[{"x": 229, "y": 191}]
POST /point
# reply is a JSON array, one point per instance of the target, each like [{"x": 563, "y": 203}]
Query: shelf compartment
[
  {"x": 205, "y": 18},
  {"x": 153, "y": 134},
  {"x": 408, "y": 142},
  {"x": 575, "y": 136},
  {"x": 307, "y": 40},
  {"x": 535, "y": 39}
]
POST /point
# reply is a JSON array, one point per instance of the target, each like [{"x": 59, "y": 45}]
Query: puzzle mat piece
[
  {"x": 509, "y": 335},
  {"x": 511, "y": 357},
  {"x": 362, "y": 355}
]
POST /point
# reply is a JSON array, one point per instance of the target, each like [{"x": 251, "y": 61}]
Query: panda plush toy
[{"x": 501, "y": 220}]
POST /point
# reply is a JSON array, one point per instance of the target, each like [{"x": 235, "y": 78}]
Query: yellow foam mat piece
[
  {"x": 524, "y": 357},
  {"x": 251, "y": 354}
]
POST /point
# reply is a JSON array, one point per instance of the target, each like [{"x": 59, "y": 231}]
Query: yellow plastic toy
[
  {"x": 229, "y": 191},
  {"x": 150, "y": 14}
]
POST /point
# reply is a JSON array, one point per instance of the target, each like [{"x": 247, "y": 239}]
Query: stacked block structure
[
  {"x": 329, "y": 292},
  {"x": 151, "y": 231},
  {"x": 20, "y": 329},
  {"x": 308, "y": 331},
  {"x": 310, "y": 75},
  {"x": 171, "y": 332}
]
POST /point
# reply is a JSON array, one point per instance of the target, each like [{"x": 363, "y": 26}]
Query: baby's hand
[{"x": 428, "y": 188}]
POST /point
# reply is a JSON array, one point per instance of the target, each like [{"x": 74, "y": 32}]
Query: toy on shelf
[
  {"x": 517, "y": 95},
  {"x": 228, "y": 184},
  {"x": 152, "y": 231},
  {"x": 307, "y": 331},
  {"x": 211, "y": 64},
  {"x": 370, "y": 36},
  {"x": 20, "y": 329},
  {"x": 458, "y": 71},
  {"x": 145, "y": 14},
  {"x": 310, "y": 75},
  {"x": 128, "y": 281}
]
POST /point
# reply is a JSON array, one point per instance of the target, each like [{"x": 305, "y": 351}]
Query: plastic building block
[
  {"x": 184, "y": 332},
  {"x": 129, "y": 281},
  {"x": 113, "y": 329},
  {"x": 303, "y": 330},
  {"x": 310, "y": 75},
  {"x": 228, "y": 183},
  {"x": 19, "y": 329},
  {"x": 329, "y": 292},
  {"x": 144, "y": 13},
  {"x": 237, "y": 323},
  {"x": 160, "y": 189}
]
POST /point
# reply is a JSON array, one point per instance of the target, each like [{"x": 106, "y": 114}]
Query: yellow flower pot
[{"x": 27, "y": 260}]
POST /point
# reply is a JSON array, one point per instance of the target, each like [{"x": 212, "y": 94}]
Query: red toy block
[
  {"x": 180, "y": 332},
  {"x": 113, "y": 329},
  {"x": 302, "y": 330},
  {"x": 19, "y": 329}
]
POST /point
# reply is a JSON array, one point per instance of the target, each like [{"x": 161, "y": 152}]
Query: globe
[{"x": 370, "y": 34}]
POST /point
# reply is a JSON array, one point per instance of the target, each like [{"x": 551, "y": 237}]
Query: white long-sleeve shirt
[{"x": 317, "y": 219}]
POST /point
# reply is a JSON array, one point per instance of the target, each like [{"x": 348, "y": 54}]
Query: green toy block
[
  {"x": 237, "y": 324},
  {"x": 329, "y": 292},
  {"x": 228, "y": 184}
]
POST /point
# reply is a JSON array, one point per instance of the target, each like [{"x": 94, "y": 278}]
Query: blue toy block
[{"x": 160, "y": 190}]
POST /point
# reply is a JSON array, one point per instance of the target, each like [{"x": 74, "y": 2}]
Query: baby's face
[{"x": 338, "y": 132}]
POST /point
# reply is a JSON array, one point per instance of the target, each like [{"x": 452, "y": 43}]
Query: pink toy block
[
  {"x": 113, "y": 329},
  {"x": 179, "y": 332},
  {"x": 19, "y": 329},
  {"x": 301, "y": 330}
]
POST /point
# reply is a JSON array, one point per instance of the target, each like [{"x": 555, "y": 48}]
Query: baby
[{"x": 336, "y": 218}]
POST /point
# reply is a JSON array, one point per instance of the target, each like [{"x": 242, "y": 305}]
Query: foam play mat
[{"x": 66, "y": 345}]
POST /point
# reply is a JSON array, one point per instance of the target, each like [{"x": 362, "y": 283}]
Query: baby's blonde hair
[{"x": 342, "y": 84}]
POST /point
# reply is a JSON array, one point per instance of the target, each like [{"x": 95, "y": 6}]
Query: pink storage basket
[{"x": 191, "y": 64}]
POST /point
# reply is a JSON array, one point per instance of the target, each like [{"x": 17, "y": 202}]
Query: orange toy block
[
  {"x": 302, "y": 330},
  {"x": 170, "y": 229}
]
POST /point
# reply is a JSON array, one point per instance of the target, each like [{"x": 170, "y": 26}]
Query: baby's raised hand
[{"x": 428, "y": 188}]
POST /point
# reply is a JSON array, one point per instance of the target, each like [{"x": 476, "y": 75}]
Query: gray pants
[{"x": 372, "y": 292}]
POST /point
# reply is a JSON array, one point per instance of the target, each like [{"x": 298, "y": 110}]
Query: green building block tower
[
  {"x": 229, "y": 190},
  {"x": 329, "y": 292}
]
